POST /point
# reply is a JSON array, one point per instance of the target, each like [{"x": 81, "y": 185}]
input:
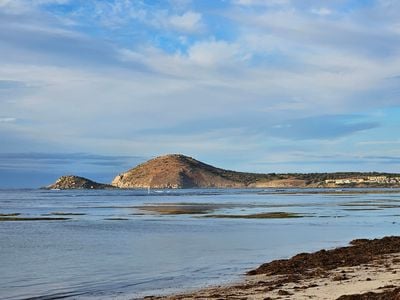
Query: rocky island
[
  {"x": 76, "y": 182},
  {"x": 178, "y": 171}
]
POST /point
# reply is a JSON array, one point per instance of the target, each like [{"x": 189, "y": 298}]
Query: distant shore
[
  {"x": 178, "y": 171},
  {"x": 365, "y": 270},
  {"x": 338, "y": 190}
]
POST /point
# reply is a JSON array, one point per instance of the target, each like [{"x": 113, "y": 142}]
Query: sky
[{"x": 93, "y": 88}]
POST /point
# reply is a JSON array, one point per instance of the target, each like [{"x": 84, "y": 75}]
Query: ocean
[{"x": 123, "y": 244}]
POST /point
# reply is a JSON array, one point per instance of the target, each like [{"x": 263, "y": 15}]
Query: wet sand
[{"x": 365, "y": 270}]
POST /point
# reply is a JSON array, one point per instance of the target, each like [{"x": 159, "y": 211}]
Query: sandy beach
[{"x": 367, "y": 269}]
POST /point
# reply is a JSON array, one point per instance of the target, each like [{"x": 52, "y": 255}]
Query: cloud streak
[
  {"x": 23, "y": 168},
  {"x": 7, "y": 120},
  {"x": 322, "y": 127}
]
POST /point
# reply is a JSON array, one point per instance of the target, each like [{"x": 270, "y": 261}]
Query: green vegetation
[{"x": 309, "y": 178}]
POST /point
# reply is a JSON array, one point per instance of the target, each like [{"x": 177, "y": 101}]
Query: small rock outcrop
[{"x": 76, "y": 182}]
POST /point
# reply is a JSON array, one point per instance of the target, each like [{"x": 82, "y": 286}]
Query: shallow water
[{"x": 143, "y": 252}]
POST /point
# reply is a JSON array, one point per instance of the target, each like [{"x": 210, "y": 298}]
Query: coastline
[
  {"x": 365, "y": 270},
  {"x": 196, "y": 252}
]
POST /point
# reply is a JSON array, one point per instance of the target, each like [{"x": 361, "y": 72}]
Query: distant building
[{"x": 368, "y": 179}]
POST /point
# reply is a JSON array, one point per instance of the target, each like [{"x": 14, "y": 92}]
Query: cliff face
[
  {"x": 76, "y": 182},
  {"x": 178, "y": 171}
]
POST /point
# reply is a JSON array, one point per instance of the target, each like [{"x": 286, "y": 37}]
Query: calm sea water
[{"x": 90, "y": 257}]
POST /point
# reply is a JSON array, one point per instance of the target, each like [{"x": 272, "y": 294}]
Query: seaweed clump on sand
[
  {"x": 361, "y": 251},
  {"x": 386, "y": 295}
]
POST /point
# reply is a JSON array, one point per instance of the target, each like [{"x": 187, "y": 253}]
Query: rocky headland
[{"x": 180, "y": 171}]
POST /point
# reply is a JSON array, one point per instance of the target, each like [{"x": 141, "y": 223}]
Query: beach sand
[{"x": 368, "y": 269}]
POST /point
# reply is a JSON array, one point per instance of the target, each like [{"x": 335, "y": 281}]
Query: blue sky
[{"x": 95, "y": 87}]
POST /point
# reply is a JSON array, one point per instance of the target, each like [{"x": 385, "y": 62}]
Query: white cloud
[
  {"x": 43, "y": 2},
  {"x": 321, "y": 11},
  {"x": 276, "y": 65},
  {"x": 189, "y": 21},
  {"x": 116, "y": 13},
  {"x": 260, "y": 2},
  {"x": 214, "y": 53},
  {"x": 23, "y": 6},
  {"x": 120, "y": 13},
  {"x": 13, "y": 6},
  {"x": 391, "y": 142},
  {"x": 395, "y": 27},
  {"x": 7, "y": 120}
]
